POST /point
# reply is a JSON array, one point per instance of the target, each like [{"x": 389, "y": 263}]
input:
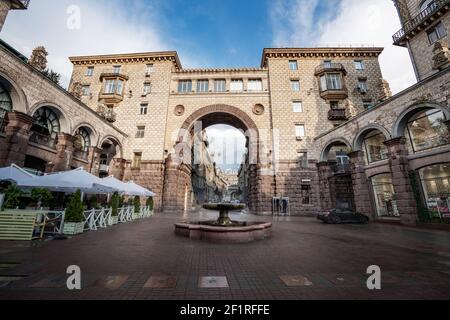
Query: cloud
[
  {"x": 106, "y": 26},
  {"x": 347, "y": 22}
]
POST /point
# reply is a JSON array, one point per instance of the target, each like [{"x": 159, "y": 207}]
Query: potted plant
[
  {"x": 150, "y": 205},
  {"x": 137, "y": 208},
  {"x": 73, "y": 223},
  {"x": 12, "y": 197},
  {"x": 115, "y": 201},
  {"x": 42, "y": 198}
]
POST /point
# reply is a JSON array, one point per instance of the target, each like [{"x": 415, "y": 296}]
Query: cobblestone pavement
[{"x": 304, "y": 259}]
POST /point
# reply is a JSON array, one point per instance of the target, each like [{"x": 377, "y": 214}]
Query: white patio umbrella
[
  {"x": 112, "y": 182},
  {"x": 15, "y": 174},
  {"x": 137, "y": 190},
  {"x": 69, "y": 182}
]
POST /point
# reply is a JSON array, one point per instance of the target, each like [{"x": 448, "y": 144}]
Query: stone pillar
[
  {"x": 13, "y": 149},
  {"x": 64, "y": 149},
  {"x": 94, "y": 160},
  {"x": 361, "y": 187},
  {"x": 324, "y": 172},
  {"x": 117, "y": 168},
  {"x": 177, "y": 182},
  {"x": 398, "y": 161}
]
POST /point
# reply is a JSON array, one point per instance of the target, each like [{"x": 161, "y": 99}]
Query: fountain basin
[{"x": 246, "y": 232}]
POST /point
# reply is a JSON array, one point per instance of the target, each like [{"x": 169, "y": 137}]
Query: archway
[
  {"x": 110, "y": 149},
  {"x": 182, "y": 161},
  {"x": 371, "y": 140}
]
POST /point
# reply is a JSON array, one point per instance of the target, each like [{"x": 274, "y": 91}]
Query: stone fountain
[{"x": 224, "y": 229}]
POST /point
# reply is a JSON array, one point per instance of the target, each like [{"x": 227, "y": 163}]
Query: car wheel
[
  {"x": 336, "y": 220},
  {"x": 366, "y": 220}
]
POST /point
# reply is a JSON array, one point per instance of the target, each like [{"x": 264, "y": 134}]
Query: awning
[
  {"x": 137, "y": 190},
  {"x": 15, "y": 174}
]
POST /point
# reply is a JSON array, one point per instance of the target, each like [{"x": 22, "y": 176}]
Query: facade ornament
[
  {"x": 38, "y": 58},
  {"x": 258, "y": 109},
  {"x": 385, "y": 90},
  {"x": 441, "y": 55},
  {"x": 179, "y": 110},
  {"x": 77, "y": 90}
]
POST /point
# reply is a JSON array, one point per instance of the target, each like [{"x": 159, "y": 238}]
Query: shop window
[
  {"x": 436, "y": 189},
  {"x": 427, "y": 130},
  {"x": 306, "y": 194},
  {"x": 383, "y": 191},
  {"x": 374, "y": 147}
]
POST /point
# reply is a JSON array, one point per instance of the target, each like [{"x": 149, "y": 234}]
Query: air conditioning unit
[{"x": 362, "y": 89}]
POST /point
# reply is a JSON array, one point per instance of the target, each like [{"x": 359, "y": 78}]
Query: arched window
[
  {"x": 427, "y": 3},
  {"x": 426, "y": 130},
  {"x": 5, "y": 106},
  {"x": 373, "y": 146},
  {"x": 82, "y": 139},
  {"x": 45, "y": 128}
]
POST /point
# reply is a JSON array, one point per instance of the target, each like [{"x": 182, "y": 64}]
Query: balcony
[
  {"x": 330, "y": 67},
  {"x": 113, "y": 75},
  {"x": 434, "y": 11},
  {"x": 104, "y": 168},
  {"x": 20, "y": 4},
  {"x": 43, "y": 140},
  {"x": 334, "y": 94},
  {"x": 337, "y": 115},
  {"x": 107, "y": 113}
]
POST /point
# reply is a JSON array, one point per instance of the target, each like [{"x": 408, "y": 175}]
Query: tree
[
  {"x": 52, "y": 75},
  {"x": 42, "y": 196},
  {"x": 137, "y": 204},
  {"x": 115, "y": 199},
  {"x": 74, "y": 210},
  {"x": 121, "y": 201},
  {"x": 150, "y": 203},
  {"x": 12, "y": 196},
  {"x": 93, "y": 202}
]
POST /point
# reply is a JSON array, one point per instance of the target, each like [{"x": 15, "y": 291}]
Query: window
[
  {"x": 295, "y": 85},
  {"x": 300, "y": 131},
  {"x": 362, "y": 85},
  {"x": 436, "y": 33},
  {"x": 254, "y": 85},
  {"x": 140, "y": 134},
  {"x": 297, "y": 106},
  {"x": 306, "y": 194},
  {"x": 137, "y": 160},
  {"x": 327, "y": 63},
  {"x": 147, "y": 89},
  {"x": 334, "y": 105},
  {"x": 113, "y": 86},
  {"x": 184, "y": 86},
  {"x": 367, "y": 105},
  {"x": 303, "y": 159},
  {"x": 331, "y": 81},
  {"x": 202, "y": 85},
  {"x": 427, "y": 130},
  {"x": 149, "y": 68},
  {"x": 220, "y": 85},
  {"x": 86, "y": 90},
  {"x": 90, "y": 71},
  {"x": 110, "y": 86},
  {"x": 374, "y": 147},
  {"x": 237, "y": 85},
  {"x": 436, "y": 188},
  {"x": 383, "y": 191},
  {"x": 144, "y": 108},
  {"x": 428, "y": 4},
  {"x": 5, "y": 106},
  {"x": 359, "y": 65},
  {"x": 119, "y": 87},
  {"x": 293, "y": 65},
  {"x": 116, "y": 69}
]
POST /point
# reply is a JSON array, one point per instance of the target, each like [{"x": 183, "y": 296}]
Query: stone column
[
  {"x": 64, "y": 149},
  {"x": 361, "y": 186},
  {"x": 13, "y": 149},
  {"x": 117, "y": 168},
  {"x": 176, "y": 178},
  {"x": 398, "y": 161},
  {"x": 94, "y": 160},
  {"x": 324, "y": 172}
]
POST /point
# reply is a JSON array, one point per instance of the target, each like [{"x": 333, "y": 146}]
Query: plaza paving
[{"x": 304, "y": 259}]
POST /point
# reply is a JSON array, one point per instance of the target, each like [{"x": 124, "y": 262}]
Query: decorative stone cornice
[
  {"x": 395, "y": 142},
  {"x": 128, "y": 58},
  {"x": 298, "y": 53},
  {"x": 221, "y": 70}
]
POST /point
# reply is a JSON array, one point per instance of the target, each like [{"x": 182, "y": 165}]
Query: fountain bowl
[{"x": 224, "y": 230}]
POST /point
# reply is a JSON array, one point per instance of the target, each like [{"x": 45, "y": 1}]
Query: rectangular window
[
  {"x": 367, "y": 105},
  {"x": 149, "y": 68},
  {"x": 436, "y": 33},
  {"x": 362, "y": 85},
  {"x": 140, "y": 133},
  {"x": 110, "y": 86},
  {"x": 334, "y": 105},
  {"x": 184, "y": 86},
  {"x": 137, "y": 159},
  {"x": 237, "y": 85},
  {"x": 300, "y": 131},
  {"x": 306, "y": 194},
  {"x": 202, "y": 85},
  {"x": 297, "y": 106},
  {"x": 119, "y": 90},
  {"x": 90, "y": 71},
  {"x": 327, "y": 64},
  {"x": 86, "y": 90},
  {"x": 144, "y": 108},
  {"x": 220, "y": 85},
  {"x": 295, "y": 85},
  {"x": 116, "y": 69},
  {"x": 147, "y": 89},
  {"x": 254, "y": 85},
  {"x": 331, "y": 81},
  {"x": 293, "y": 65},
  {"x": 359, "y": 65},
  {"x": 303, "y": 159}
]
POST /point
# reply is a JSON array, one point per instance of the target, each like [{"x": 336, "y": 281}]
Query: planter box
[
  {"x": 73, "y": 228},
  {"x": 113, "y": 220},
  {"x": 136, "y": 216}
]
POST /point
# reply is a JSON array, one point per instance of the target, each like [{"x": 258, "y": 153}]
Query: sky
[{"x": 209, "y": 33}]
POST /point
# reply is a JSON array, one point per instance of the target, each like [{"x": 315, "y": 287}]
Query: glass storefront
[
  {"x": 383, "y": 191},
  {"x": 436, "y": 187},
  {"x": 374, "y": 147},
  {"x": 427, "y": 130}
]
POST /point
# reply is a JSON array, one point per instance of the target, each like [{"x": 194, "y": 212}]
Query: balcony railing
[
  {"x": 43, "y": 140},
  {"x": 433, "y": 8},
  {"x": 20, "y": 4},
  {"x": 330, "y": 67},
  {"x": 337, "y": 114}
]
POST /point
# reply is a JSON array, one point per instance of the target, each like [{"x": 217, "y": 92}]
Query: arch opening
[{"x": 371, "y": 142}]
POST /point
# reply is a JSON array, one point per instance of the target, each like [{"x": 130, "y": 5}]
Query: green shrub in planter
[
  {"x": 74, "y": 210},
  {"x": 115, "y": 200},
  {"x": 93, "y": 203},
  {"x": 121, "y": 201},
  {"x": 12, "y": 197},
  {"x": 150, "y": 203},
  {"x": 42, "y": 197},
  {"x": 137, "y": 204}
]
